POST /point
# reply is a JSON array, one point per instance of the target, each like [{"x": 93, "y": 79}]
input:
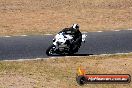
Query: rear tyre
[{"x": 50, "y": 50}]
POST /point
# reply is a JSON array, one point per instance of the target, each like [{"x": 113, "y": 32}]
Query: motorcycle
[{"x": 63, "y": 44}]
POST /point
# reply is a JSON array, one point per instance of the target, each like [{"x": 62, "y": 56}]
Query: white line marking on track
[
  {"x": 123, "y": 53},
  {"x": 103, "y": 54},
  {"x": 48, "y": 34},
  {"x": 116, "y": 30},
  {"x": 25, "y": 59},
  {"x": 23, "y": 35},
  {"x": 65, "y": 57},
  {"x": 130, "y": 29},
  {"x": 99, "y": 31},
  {"x": 38, "y": 58},
  {"x": 84, "y": 32},
  {"x": 7, "y": 36}
]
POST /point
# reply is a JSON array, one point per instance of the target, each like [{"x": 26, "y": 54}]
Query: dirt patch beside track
[
  {"x": 50, "y": 16},
  {"x": 61, "y": 72}
]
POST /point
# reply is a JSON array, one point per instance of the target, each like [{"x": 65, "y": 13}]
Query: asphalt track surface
[{"x": 31, "y": 47}]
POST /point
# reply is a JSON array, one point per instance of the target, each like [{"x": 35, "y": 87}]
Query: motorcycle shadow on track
[{"x": 74, "y": 55}]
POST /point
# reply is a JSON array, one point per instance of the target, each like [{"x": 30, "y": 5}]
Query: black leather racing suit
[{"x": 77, "y": 35}]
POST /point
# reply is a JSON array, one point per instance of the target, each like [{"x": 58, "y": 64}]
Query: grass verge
[{"x": 61, "y": 72}]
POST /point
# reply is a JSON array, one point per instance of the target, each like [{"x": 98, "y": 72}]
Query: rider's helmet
[{"x": 75, "y": 26}]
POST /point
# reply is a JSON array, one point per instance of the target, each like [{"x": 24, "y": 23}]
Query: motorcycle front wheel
[{"x": 50, "y": 50}]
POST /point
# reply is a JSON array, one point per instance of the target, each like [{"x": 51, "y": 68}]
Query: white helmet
[{"x": 75, "y": 26}]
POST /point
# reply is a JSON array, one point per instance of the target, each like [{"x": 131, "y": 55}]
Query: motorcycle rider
[{"x": 75, "y": 32}]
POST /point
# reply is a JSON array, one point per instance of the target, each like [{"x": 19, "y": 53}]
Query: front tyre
[{"x": 50, "y": 50}]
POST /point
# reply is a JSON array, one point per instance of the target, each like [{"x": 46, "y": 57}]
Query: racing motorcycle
[{"x": 63, "y": 45}]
